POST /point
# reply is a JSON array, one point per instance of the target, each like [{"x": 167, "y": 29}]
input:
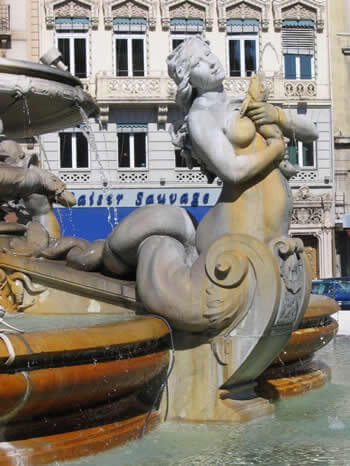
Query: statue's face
[{"x": 206, "y": 73}]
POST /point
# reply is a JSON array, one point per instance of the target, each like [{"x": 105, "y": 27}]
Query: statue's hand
[{"x": 262, "y": 113}]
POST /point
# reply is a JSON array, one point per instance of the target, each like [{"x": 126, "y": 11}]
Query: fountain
[{"x": 84, "y": 351}]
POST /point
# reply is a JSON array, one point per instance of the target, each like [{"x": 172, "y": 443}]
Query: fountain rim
[{"x": 37, "y": 70}]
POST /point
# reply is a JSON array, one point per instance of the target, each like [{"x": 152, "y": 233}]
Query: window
[
  {"x": 73, "y": 44},
  {"x": 129, "y": 42},
  {"x": 298, "y": 66},
  {"x": 132, "y": 144},
  {"x": 242, "y": 46},
  {"x": 298, "y": 44},
  {"x": 302, "y": 153},
  {"x": 180, "y": 162},
  {"x": 176, "y": 40},
  {"x": 74, "y": 151}
]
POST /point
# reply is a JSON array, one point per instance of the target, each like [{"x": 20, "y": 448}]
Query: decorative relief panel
[
  {"x": 299, "y": 89},
  {"x": 196, "y": 9},
  {"x": 303, "y": 9},
  {"x": 130, "y": 9},
  {"x": 135, "y": 86},
  {"x": 299, "y": 11},
  {"x": 71, "y": 8},
  {"x": 187, "y": 10},
  {"x": 307, "y": 215},
  {"x": 239, "y": 86},
  {"x": 231, "y": 9},
  {"x": 312, "y": 208},
  {"x": 243, "y": 10}
]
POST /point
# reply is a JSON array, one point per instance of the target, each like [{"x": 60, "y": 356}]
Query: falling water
[
  {"x": 60, "y": 218},
  {"x": 88, "y": 133},
  {"x": 27, "y": 125},
  {"x": 42, "y": 151},
  {"x": 27, "y": 120},
  {"x": 99, "y": 121}
]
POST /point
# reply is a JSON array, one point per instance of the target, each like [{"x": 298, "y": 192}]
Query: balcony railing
[
  {"x": 147, "y": 89},
  {"x": 4, "y": 19},
  {"x": 162, "y": 89}
]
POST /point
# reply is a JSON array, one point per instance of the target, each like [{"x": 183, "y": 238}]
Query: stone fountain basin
[{"x": 37, "y": 99}]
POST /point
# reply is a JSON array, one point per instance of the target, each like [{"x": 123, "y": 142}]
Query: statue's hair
[
  {"x": 180, "y": 65},
  {"x": 179, "y": 69}
]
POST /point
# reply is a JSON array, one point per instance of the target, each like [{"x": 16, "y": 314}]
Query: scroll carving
[{"x": 17, "y": 292}]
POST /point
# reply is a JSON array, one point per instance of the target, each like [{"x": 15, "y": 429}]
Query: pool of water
[{"x": 310, "y": 429}]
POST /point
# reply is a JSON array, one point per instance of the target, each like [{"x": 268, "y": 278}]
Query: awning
[
  {"x": 72, "y": 24},
  {"x": 242, "y": 25},
  {"x": 129, "y": 24}
]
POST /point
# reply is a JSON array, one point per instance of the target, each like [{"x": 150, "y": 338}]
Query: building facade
[
  {"x": 340, "y": 53},
  {"x": 19, "y": 29},
  {"x": 118, "y": 48}
]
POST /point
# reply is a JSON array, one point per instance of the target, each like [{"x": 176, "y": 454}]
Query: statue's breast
[{"x": 241, "y": 131}]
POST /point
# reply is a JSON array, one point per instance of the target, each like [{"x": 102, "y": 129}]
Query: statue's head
[
  {"x": 193, "y": 66},
  {"x": 54, "y": 189}
]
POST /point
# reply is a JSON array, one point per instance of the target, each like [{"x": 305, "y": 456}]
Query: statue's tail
[
  {"x": 122, "y": 245},
  {"x": 246, "y": 295}
]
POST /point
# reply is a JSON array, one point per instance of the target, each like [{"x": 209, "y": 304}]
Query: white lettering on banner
[{"x": 138, "y": 198}]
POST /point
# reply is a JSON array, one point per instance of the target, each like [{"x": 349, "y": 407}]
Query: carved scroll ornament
[{"x": 17, "y": 291}]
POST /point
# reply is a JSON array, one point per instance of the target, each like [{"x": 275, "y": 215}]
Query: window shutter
[
  {"x": 290, "y": 66},
  {"x": 305, "y": 67},
  {"x": 298, "y": 37}
]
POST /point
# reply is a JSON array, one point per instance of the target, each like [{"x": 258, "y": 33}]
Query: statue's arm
[
  {"x": 218, "y": 154},
  {"x": 296, "y": 126},
  {"x": 293, "y": 126}
]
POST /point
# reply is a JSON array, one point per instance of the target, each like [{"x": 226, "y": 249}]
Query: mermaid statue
[{"x": 238, "y": 272}]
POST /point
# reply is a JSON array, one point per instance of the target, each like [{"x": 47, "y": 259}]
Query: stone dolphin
[{"x": 21, "y": 183}]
